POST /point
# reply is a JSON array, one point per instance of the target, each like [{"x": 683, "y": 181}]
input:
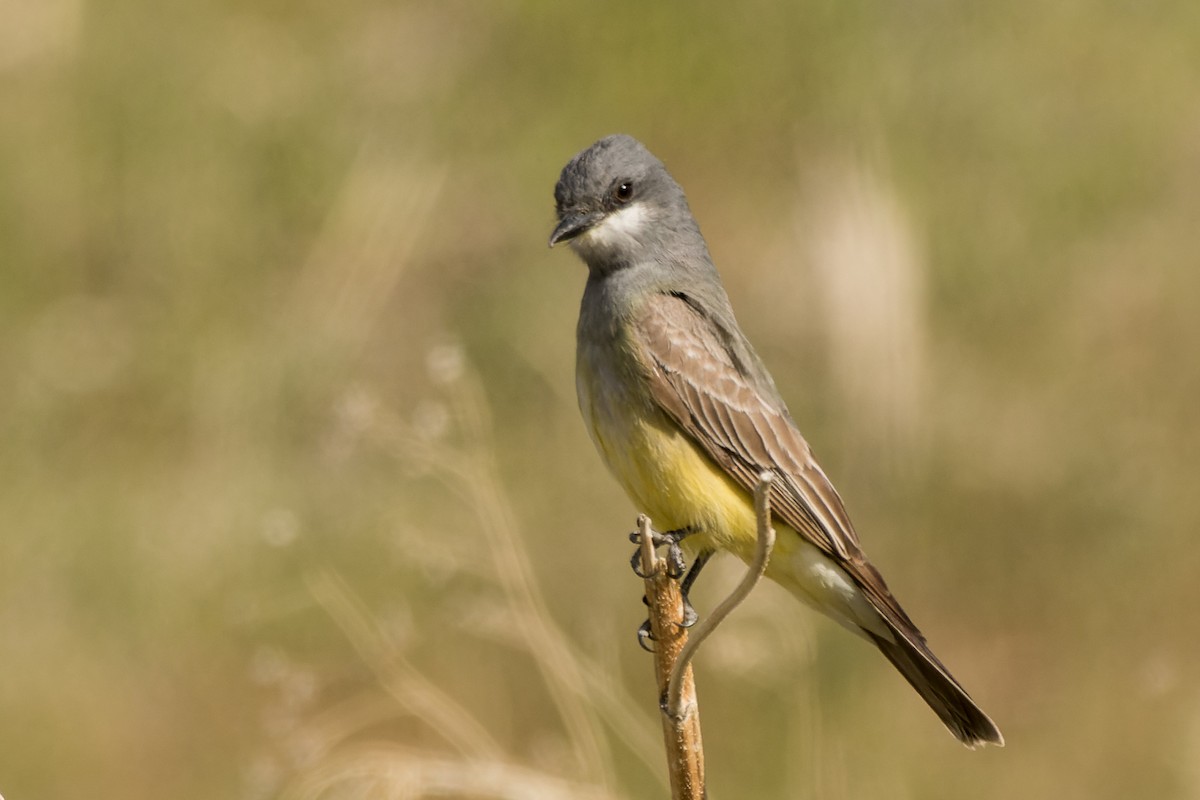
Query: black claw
[
  {"x": 635, "y": 563},
  {"x": 644, "y": 635},
  {"x": 690, "y": 617}
]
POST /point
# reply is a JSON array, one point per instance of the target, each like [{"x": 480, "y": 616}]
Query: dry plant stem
[
  {"x": 685, "y": 752},
  {"x": 678, "y": 704},
  {"x": 382, "y": 771},
  {"x": 472, "y": 475},
  {"x": 476, "y": 481},
  {"x": 396, "y": 675}
]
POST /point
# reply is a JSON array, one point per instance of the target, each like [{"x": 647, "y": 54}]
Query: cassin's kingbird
[{"x": 686, "y": 416}]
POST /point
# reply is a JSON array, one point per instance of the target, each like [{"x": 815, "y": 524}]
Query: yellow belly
[{"x": 670, "y": 479}]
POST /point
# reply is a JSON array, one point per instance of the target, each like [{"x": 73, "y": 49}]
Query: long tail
[
  {"x": 855, "y": 595},
  {"x": 921, "y": 668}
]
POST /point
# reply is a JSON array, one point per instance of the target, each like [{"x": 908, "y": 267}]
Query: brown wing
[
  {"x": 703, "y": 377},
  {"x": 696, "y": 380}
]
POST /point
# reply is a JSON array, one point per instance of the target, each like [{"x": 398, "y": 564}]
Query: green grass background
[{"x": 288, "y": 432}]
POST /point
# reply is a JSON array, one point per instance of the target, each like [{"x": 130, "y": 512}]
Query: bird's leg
[
  {"x": 701, "y": 559},
  {"x": 689, "y": 613},
  {"x": 676, "y": 568}
]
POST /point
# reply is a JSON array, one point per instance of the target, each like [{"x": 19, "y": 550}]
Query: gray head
[{"x": 618, "y": 206}]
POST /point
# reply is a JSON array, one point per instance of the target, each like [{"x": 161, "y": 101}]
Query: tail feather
[{"x": 921, "y": 668}]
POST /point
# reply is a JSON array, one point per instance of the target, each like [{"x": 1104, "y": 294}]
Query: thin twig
[
  {"x": 674, "y": 649},
  {"x": 762, "y": 554},
  {"x": 651, "y": 563},
  {"x": 664, "y": 600}
]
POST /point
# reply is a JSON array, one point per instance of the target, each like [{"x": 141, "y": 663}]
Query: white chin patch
[{"x": 624, "y": 227}]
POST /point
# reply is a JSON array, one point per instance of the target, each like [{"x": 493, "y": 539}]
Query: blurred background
[{"x": 295, "y": 497}]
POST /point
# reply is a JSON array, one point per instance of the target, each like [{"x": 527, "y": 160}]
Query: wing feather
[
  {"x": 703, "y": 377},
  {"x": 697, "y": 381}
]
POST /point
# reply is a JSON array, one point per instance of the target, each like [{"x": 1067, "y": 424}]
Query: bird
[{"x": 687, "y": 418}]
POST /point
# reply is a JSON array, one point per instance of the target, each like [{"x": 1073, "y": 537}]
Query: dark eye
[{"x": 623, "y": 192}]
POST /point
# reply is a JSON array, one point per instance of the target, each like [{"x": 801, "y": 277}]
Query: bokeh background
[{"x": 295, "y": 498}]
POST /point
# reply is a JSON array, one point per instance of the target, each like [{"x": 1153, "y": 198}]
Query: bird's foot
[
  {"x": 676, "y": 568},
  {"x": 676, "y": 565}
]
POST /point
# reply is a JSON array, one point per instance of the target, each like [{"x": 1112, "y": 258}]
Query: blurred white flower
[
  {"x": 357, "y": 409},
  {"x": 446, "y": 363},
  {"x": 268, "y": 665},
  {"x": 280, "y": 527}
]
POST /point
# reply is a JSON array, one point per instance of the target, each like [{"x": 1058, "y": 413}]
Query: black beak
[{"x": 572, "y": 224}]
